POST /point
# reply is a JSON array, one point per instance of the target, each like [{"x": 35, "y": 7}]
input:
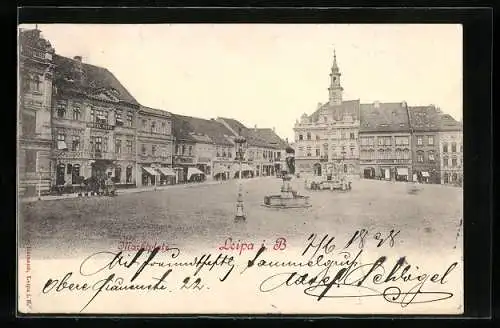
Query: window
[
  {"x": 76, "y": 112},
  {"x": 317, "y": 137},
  {"x": 317, "y": 152},
  {"x": 144, "y": 125},
  {"x": 402, "y": 141},
  {"x": 30, "y": 161},
  {"x": 118, "y": 117},
  {"x": 453, "y": 147},
  {"x": 190, "y": 150},
  {"x": 105, "y": 144},
  {"x": 420, "y": 157},
  {"x": 461, "y": 148},
  {"x": 342, "y": 135},
  {"x": 61, "y": 136},
  {"x": 380, "y": 141},
  {"x": 445, "y": 148},
  {"x": 34, "y": 83},
  {"x": 387, "y": 141},
  {"x": 454, "y": 162},
  {"x": 352, "y": 136},
  {"x": 96, "y": 144},
  {"x": 218, "y": 151},
  {"x": 445, "y": 161},
  {"x": 153, "y": 127},
  {"x": 101, "y": 116},
  {"x": 129, "y": 146},
  {"x": 431, "y": 157},
  {"x": 352, "y": 151},
  {"x": 118, "y": 173},
  {"x": 75, "y": 143},
  {"x": 325, "y": 119},
  {"x": 92, "y": 114},
  {"x": 29, "y": 125},
  {"x": 143, "y": 149},
  {"x": 183, "y": 149},
  {"x": 301, "y": 137},
  {"x": 118, "y": 146},
  {"x": 308, "y": 151},
  {"x": 420, "y": 141},
  {"x": 163, "y": 128},
  {"x": 308, "y": 136},
  {"x": 153, "y": 150},
  {"x": 430, "y": 140},
  {"x": 61, "y": 108},
  {"x": 129, "y": 119},
  {"x": 128, "y": 174}
]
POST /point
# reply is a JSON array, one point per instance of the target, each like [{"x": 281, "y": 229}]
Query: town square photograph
[{"x": 269, "y": 162}]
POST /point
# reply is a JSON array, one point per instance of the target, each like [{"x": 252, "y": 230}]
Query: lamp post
[{"x": 240, "y": 214}]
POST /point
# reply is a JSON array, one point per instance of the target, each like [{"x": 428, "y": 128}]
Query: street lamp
[{"x": 240, "y": 214}]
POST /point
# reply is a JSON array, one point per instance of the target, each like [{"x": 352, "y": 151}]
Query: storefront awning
[
  {"x": 402, "y": 171},
  {"x": 166, "y": 171},
  {"x": 425, "y": 174},
  {"x": 150, "y": 170},
  {"x": 220, "y": 170},
  {"x": 192, "y": 171}
]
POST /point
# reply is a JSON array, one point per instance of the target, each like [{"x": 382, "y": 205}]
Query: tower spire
[{"x": 335, "y": 89}]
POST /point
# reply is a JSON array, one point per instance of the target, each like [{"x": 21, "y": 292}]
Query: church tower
[{"x": 335, "y": 90}]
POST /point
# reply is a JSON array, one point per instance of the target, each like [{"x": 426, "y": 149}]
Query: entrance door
[
  {"x": 387, "y": 174},
  {"x": 60, "y": 174},
  {"x": 317, "y": 169}
]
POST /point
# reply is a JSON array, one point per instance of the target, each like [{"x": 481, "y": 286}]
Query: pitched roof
[
  {"x": 196, "y": 129},
  {"x": 384, "y": 117},
  {"x": 257, "y": 137},
  {"x": 448, "y": 123},
  {"x": 91, "y": 80},
  {"x": 271, "y": 138},
  {"x": 154, "y": 111},
  {"x": 336, "y": 112},
  {"x": 424, "y": 118}
]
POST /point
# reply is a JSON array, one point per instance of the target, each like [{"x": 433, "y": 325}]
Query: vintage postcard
[{"x": 240, "y": 169}]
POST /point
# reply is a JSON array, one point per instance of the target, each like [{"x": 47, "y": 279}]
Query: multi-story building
[
  {"x": 385, "y": 142},
  {"x": 265, "y": 152},
  {"x": 451, "y": 150},
  {"x": 93, "y": 124},
  {"x": 329, "y": 137},
  {"x": 214, "y": 149},
  {"x": 155, "y": 147},
  {"x": 36, "y": 71},
  {"x": 424, "y": 126}
]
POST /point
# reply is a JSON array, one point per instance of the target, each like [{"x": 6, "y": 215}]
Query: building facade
[
  {"x": 385, "y": 142},
  {"x": 451, "y": 151},
  {"x": 36, "y": 72},
  {"x": 156, "y": 147},
  {"x": 424, "y": 123},
  {"x": 328, "y": 138},
  {"x": 265, "y": 150},
  {"x": 93, "y": 125}
]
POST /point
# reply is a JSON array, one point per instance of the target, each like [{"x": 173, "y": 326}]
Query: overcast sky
[{"x": 268, "y": 75}]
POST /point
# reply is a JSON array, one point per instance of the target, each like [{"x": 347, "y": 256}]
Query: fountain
[{"x": 288, "y": 198}]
